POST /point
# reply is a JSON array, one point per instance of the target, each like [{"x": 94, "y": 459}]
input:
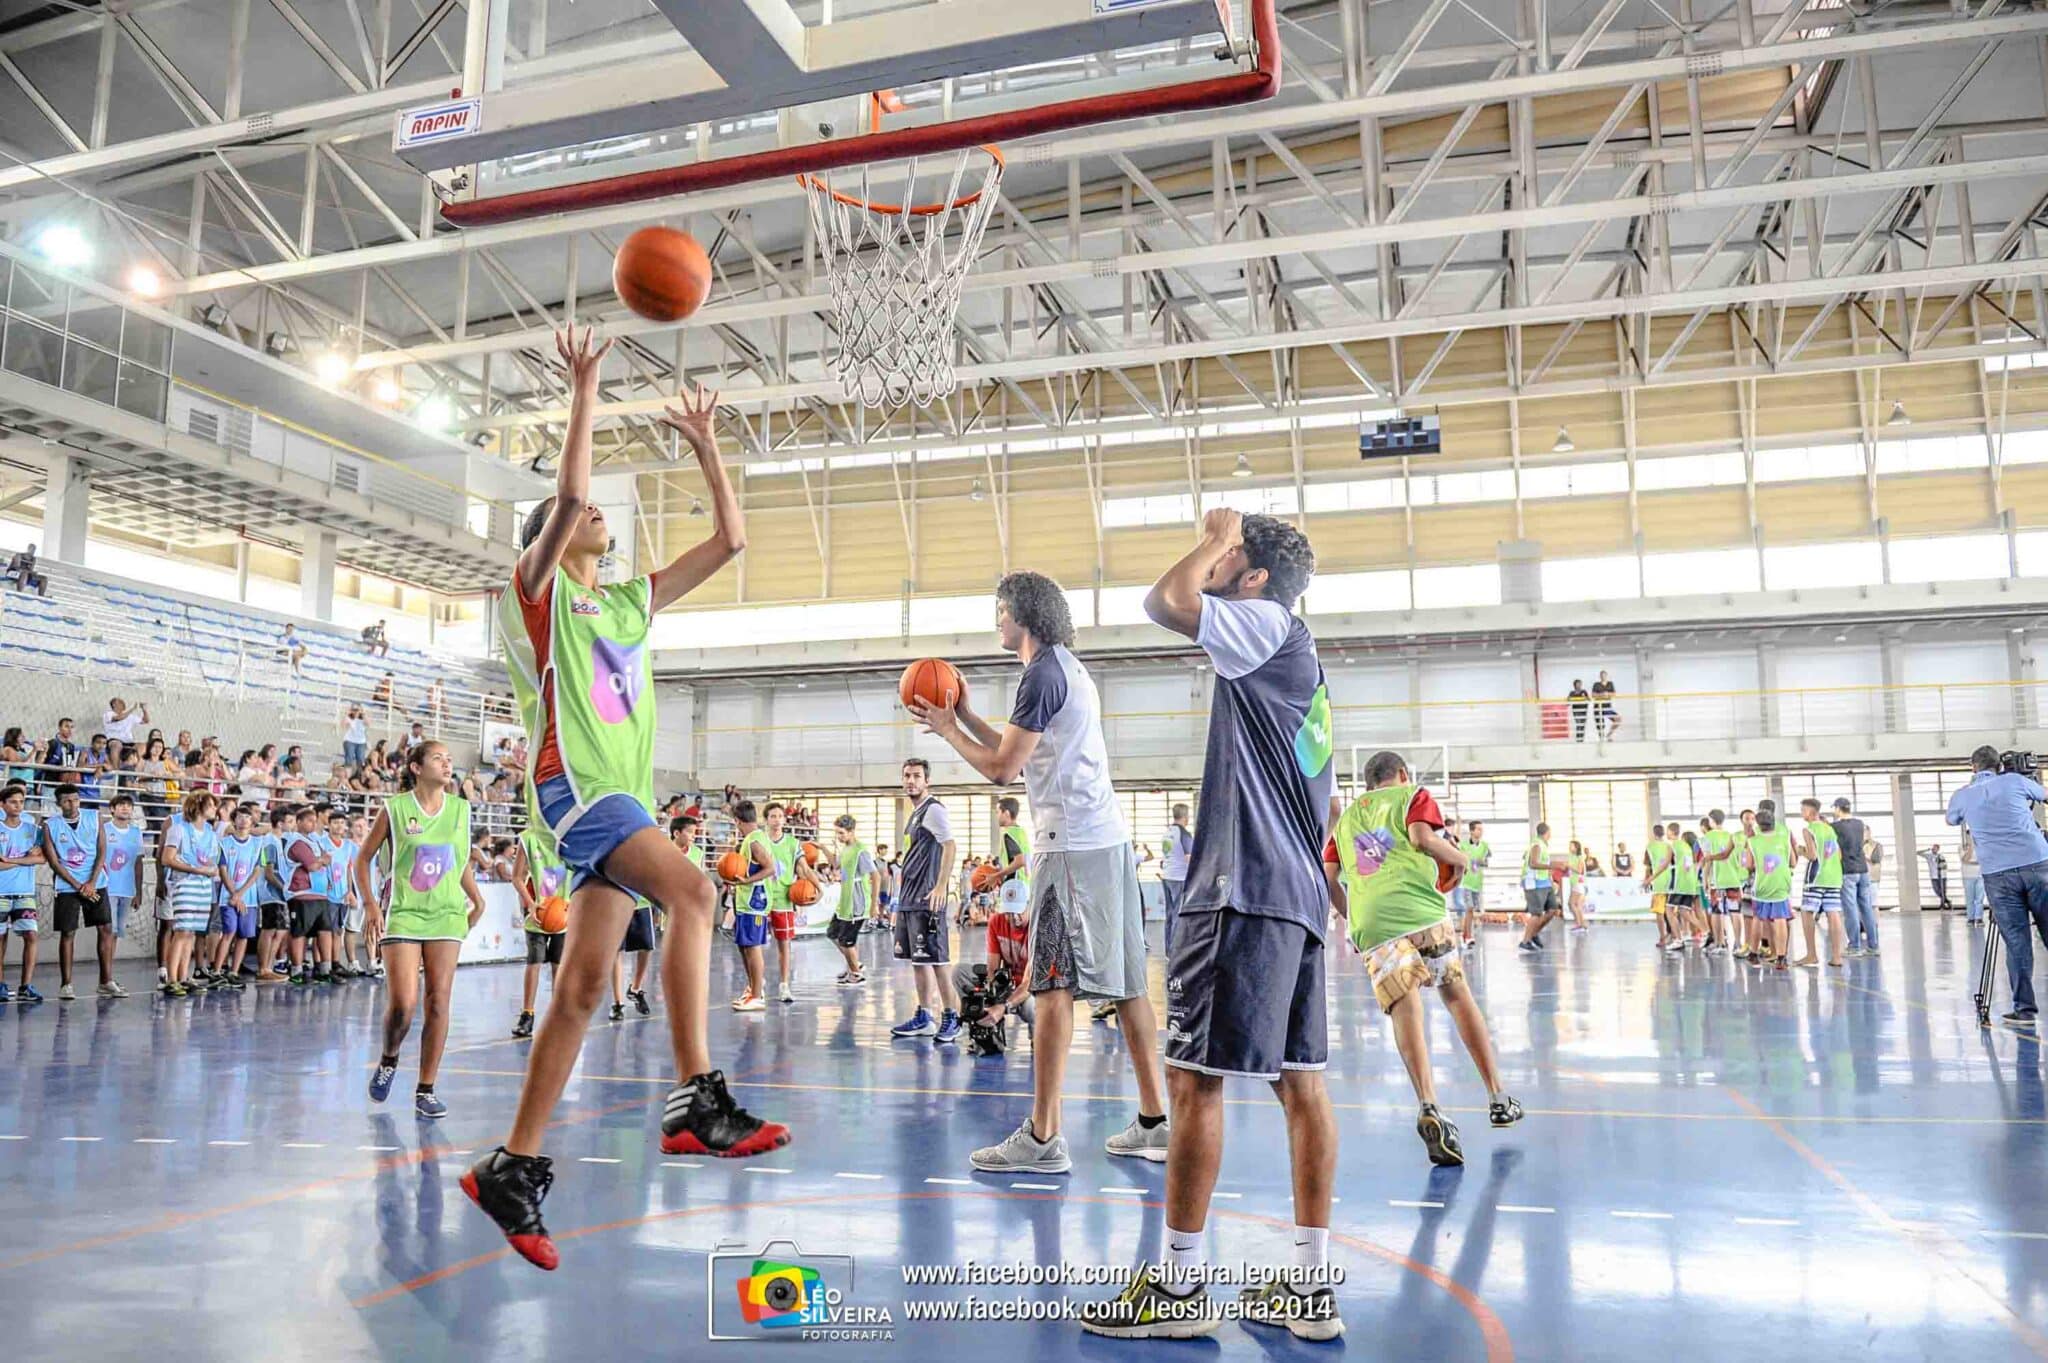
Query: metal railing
[{"x": 1643, "y": 726}]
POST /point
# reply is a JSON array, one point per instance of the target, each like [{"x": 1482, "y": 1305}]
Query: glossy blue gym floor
[{"x": 1715, "y": 1162}]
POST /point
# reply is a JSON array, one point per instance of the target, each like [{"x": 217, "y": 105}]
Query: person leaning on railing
[{"x": 1997, "y": 808}]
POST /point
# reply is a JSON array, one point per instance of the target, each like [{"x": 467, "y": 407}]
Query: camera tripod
[{"x": 1987, "y": 973}]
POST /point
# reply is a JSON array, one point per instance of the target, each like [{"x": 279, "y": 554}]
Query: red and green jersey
[{"x": 1389, "y": 883}]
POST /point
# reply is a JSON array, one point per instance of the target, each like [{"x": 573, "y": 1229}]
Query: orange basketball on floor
[
  {"x": 802, "y": 893},
  {"x": 811, "y": 854},
  {"x": 1447, "y": 878},
  {"x": 552, "y": 914},
  {"x": 985, "y": 878},
  {"x": 732, "y": 867},
  {"x": 661, "y": 273},
  {"x": 933, "y": 681}
]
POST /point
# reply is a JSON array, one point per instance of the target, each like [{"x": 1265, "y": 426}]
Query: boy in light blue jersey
[
  {"x": 124, "y": 857},
  {"x": 344, "y": 913},
  {"x": 241, "y": 864},
  {"x": 274, "y": 922},
  {"x": 77, "y": 851},
  {"x": 21, "y": 852}
]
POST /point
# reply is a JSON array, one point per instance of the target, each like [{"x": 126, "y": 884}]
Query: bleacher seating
[{"x": 120, "y": 631}]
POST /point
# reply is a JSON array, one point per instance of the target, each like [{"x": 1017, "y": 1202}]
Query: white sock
[
  {"x": 1311, "y": 1246},
  {"x": 1183, "y": 1260}
]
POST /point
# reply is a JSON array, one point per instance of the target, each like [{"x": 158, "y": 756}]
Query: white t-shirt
[
  {"x": 1073, "y": 804},
  {"x": 122, "y": 730},
  {"x": 358, "y": 731},
  {"x": 1240, "y": 636}
]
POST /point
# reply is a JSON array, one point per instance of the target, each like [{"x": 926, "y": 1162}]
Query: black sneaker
[
  {"x": 618, "y": 1013},
  {"x": 510, "y": 1189},
  {"x": 639, "y": 997},
  {"x": 523, "y": 1028},
  {"x": 701, "y": 1118},
  {"x": 1440, "y": 1134},
  {"x": 1503, "y": 1110}
]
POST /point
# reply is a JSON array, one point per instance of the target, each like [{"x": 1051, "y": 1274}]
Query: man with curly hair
[
  {"x": 1087, "y": 936},
  {"x": 1245, "y": 982}
]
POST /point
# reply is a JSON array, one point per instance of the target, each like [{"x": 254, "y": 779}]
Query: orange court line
[{"x": 1946, "y": 1256}]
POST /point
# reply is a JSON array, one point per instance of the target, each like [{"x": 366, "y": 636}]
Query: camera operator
[{"x": 1997, "y": 808}]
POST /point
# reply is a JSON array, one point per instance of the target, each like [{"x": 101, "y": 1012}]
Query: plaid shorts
[{"x": 1425, "y": 959}]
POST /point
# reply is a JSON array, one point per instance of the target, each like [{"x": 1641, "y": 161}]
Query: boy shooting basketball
[
  {"x": 1383, "y": 872},
  {"x": 578, "y": 654}
]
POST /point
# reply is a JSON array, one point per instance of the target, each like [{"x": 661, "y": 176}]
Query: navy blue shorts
[
  {"x": 1245, "y": 996},
  {"x": 639, "y": 930},
  {"x": 593, "y": 836},
  {"x": 923, "y": 937},
  {"x": 750, "y": 929}
]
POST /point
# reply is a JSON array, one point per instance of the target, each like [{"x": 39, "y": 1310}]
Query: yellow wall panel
[
  {"x": 1459, "y": 534},
  {"x": 1929, "y": 503},
  {"x": 1708, "y": 518},
  {"x": 1802, "y": 513},
  {"x": 1579, "y": 527}
]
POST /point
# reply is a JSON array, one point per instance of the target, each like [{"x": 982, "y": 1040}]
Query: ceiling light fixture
[
  {"x": 1898, "y": 416},
  {"x": 386, "y": 390},
  {"x": 1243, "y": 468},
  {"x": 434, "y": 413},
  {"x": 975, "y": 493},
  {"x": 1563, "y": 444},
  {"x": 697, "y": 506},
  {"x": 332, "y": 367},
  {"x": 144, "y": 282},
  {"x": 64, "y": 246}
]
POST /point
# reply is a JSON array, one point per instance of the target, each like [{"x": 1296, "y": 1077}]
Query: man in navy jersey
[{"x": 1244, "y": 980}]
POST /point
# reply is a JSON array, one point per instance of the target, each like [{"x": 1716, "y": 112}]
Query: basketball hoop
[{"x": 896, "y": 271}]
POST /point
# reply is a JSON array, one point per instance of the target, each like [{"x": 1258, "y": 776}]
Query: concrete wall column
[
  {"x": 1906, "y": 856},
  {"x": 316, "y": 574},
  {"x": 67, "y": 500}
]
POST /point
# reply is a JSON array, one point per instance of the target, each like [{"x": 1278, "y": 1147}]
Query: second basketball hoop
[{"x": 896, "y": 269}]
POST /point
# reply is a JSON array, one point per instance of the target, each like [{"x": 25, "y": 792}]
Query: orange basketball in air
[
  {"x": 811, "y": 854},
  {"x": 985, "y": 878},
  {"x": 661, "y": 274},
  {"x": 732, "y": 867},
  {"x": 553, "y": 914},
  {"x": 802, "y": 893},
  {"x": 933, "y": 681}
]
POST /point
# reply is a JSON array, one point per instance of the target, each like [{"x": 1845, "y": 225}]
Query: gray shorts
[{"x": 1087, "y": 924}]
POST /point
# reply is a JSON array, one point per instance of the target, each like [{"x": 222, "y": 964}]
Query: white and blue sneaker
[
  {"x": 949, "y": 1028},
  {"x": 428, "y": 1105},
  {"x": 28, "y": 993},
  {"x": 917, "y": 1024},
  {"x": 380, "y": 1082}
]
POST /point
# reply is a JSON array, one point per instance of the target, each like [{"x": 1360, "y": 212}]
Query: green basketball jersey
[
  {"x": 1685, "y": 868},
  {"x": 428, "y": 852},
  {"x": 1658, "y": 856},
  {"x": 786, "y": 851},
  {"x": 1389, "y": 883},
  {"x": 580, "y": 669},
  {"x": 695, "y": 856},
  {"x": 1773, "y": 853},
  {"x": 1727, "y": 873},
  {"x": 545, "y": 873},
  {"x": 1538, "y": 876},
  {"x": 853, "y": 886},
  {"x": 1475, "y": 875},
  {"x": 1020, "y": 835},
  {"x": 1825, "y": 842}
]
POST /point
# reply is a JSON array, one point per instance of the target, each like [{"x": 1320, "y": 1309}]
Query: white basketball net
[{"x": 896, "y": 272}]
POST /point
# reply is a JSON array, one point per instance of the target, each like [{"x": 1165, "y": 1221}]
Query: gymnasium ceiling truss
[{"x": 1744, "y": 172}]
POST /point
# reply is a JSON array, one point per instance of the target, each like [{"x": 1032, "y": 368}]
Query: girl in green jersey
[
  {"x": 434, "y": 904},
  {"x": 578, "y": 653}
]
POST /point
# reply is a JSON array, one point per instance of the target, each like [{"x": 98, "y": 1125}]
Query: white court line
[
  {"x": 1765, "y": 1221},
  {"x": 82, "y": 1140},
  {"x": 1124, "y": 1190},
  {"x": 679, "y": 1164},
  {"x": 764, "y": 1169},
  {"x": 1403, "y": 1202},
  {"x": 227, "y": 1142},
  {"x": 843, "y": 1174},
  {"x": 953, "y": 1182},
  {"x": 2016, "y": 1234},
  {"x": 379, "y": 1149},
  {"x": 305, "y": 1145},
  {"x": 156, "y": 1140},
  {"x": 595, "y": 1159},
  {"x": 1642, "y": 1216},
  {"x": 1229, "y": 1195},
  {"x": 1529, "y": 1211},
  {"x": 1038, "y": 1187},
  {"x": 458, "y": 1152},
  {"x": 13, "y": 1138}
]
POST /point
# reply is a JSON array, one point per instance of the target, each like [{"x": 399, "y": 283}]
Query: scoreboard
[{"x": 1401, "y": 435}]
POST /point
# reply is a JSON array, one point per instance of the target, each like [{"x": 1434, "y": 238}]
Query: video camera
[
  {"x": 2019, "y": 764},
  {"x": 990, "y": 987}
]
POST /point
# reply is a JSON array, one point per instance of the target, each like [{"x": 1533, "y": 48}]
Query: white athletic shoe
[
  {"x": 749, "y": 1003},
  {"x": 66, "y": 993},
  {"x": 1134, "y": 1140},
  {"x": 787, "y": 997},
  {"x": 1020, "y": 1152}
]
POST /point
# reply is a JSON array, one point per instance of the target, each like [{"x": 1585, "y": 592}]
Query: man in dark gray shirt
[
  {"x": 1245, "y": 981},
  {"x": 1859, "y": 897}
]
